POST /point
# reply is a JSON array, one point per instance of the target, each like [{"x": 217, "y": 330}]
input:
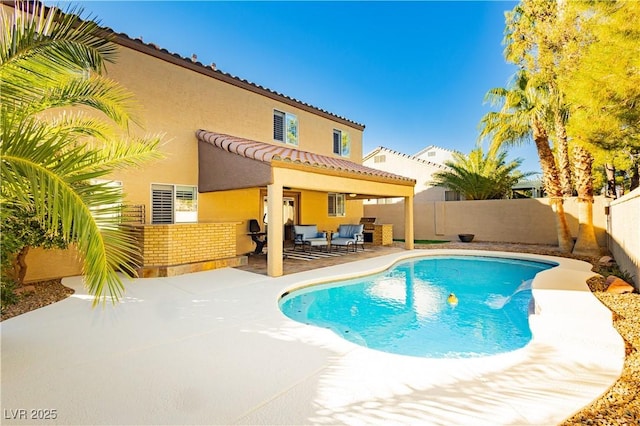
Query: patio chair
[
  {"x": 308, "y": 235},
  {"x": 348, "y": 236},
  {"x": 257, "y": 236}
]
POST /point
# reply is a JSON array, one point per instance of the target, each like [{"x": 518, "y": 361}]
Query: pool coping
[
  {"x": 214, "y": 348},
  {"x": 567, "y": 320}
]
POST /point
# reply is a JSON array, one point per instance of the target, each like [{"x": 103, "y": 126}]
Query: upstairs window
[
  {"x": 285, "y": 127},
  {"x": 336, "y": 204},
  {"x": 380, "y": 159},
  {"x": 341, "y": 143},
  {"x": 174, "y": 204}
]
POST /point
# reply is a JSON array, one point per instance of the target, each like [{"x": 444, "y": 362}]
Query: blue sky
[{"x": 415, "y": 73}]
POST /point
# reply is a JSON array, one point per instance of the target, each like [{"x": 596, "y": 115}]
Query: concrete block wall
[
  {"x": 623, "y": 227},
  {"x": 528, "y": 221}
]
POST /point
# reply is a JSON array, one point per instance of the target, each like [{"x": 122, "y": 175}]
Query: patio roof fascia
[
  {"x": 340, "y": 173},
  {"x": 228, "y": 162},
  {"x": 326, "y": 180}
]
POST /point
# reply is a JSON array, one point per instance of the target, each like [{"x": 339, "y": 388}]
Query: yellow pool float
[{"x": 452, "y": 299}]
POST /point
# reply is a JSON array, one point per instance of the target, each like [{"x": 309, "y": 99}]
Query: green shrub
[
  {"x": 7, "y": 292},
  {"x": 614, "y": 269}
]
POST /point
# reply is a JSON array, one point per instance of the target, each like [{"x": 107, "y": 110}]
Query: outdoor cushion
[
  {"x": 348, "y": 235},
  {"x": 308, "y": 234},
  {"x": 349, "y": 231}
]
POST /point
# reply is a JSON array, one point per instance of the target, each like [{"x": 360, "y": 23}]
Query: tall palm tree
[
  {"x": 523, "y": 116},
  {"x": 50, "y": 62},
  {"x": 560, "y": 113},
  {"x": 480, "y": 176},
  {"x": 586, "y": 243}
]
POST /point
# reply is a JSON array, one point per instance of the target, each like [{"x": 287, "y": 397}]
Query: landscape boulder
[
  {"x": 618, "y": 285},
  {"x": 606, "y": 260}
]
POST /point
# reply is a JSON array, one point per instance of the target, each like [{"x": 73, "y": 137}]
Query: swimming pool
[{"x": 407, "y": 310}]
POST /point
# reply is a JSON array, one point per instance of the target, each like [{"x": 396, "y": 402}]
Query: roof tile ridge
[{"x": 213, "y": 68}]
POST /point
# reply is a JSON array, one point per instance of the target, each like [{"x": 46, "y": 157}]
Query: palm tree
[
  {"x": 480, "y": 176},
  {"x": 586, "y": 243},
  {"x": 50, "y": 160},
  {"x": 523, "y": 115},
  {"x": 560, "y": 118}
]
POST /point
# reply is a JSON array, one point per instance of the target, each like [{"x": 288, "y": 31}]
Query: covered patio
[{"x": 228, "y": 162}]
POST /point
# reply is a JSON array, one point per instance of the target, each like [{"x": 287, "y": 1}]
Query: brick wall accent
[
  {"x": 382, "y": 235},
  {"x": 178, "y": 244}
]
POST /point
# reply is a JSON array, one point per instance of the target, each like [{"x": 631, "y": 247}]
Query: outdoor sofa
[
  {"x": 348, "y": 236},
  {"x": 308, "y": 235}
]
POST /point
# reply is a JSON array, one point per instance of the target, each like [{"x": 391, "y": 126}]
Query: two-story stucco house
[{"x": 235, "y": 151}]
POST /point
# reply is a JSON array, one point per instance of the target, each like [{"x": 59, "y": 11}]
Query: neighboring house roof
[
  {"x": 270, "y": 153},
  {"x": 431, "y": 147},
  {"x": 380, "y": 149},
  {"x": 527, "y": 184}
]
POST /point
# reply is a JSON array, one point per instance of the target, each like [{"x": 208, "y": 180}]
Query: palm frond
[
  {"x": 96, "y": 92},
  {"x": 38, "y": 48}
]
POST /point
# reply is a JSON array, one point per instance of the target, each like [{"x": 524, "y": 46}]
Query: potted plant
[{"x": 466, "y": 238}]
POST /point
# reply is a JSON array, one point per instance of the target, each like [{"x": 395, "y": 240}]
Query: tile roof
[
  {"x": 268, "y": 153},
  {"x": 212, "y": 71}
]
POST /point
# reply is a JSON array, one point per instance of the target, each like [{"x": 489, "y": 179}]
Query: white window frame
[
  {"x": 183, "y": 210},
  {"x": 336, "y": 206},
  {"x": 343, "y": 148},
  {"x": 289, "y": 128}
]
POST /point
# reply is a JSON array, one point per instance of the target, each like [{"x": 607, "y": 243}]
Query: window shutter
[
  {"x": 332, "y": 205},
  {"x": 161, "y": 204},
  {"x": 337, "y": 142},
  {"x": 278, "y": 126}
]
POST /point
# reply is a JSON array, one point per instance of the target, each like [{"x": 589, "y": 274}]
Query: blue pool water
[{"x": 404, "y": 310}]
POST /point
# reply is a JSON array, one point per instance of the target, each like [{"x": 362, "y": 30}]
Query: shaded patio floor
[{"x": 258, "y": 263}]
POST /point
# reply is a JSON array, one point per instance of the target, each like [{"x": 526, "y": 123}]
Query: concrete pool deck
[{"x": 213, "y": 348}]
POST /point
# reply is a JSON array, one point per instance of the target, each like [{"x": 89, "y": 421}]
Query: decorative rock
[
  {"x": 25, "y": 290},
  {"x": 606, "y": 260},
  {"x": 619, "y": 286}
]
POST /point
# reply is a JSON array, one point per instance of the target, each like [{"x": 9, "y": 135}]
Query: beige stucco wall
[
  {"x": 529, "y": 221},
  {"x": 624, "y": 233},
  {"x": 176, "y": 102},
  {"x": 48, "y": 264}
]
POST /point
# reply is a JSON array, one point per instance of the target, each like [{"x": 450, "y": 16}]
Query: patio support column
[
  {"x": 408, "y": 222},
  {"x": 274, "y": 229}
]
